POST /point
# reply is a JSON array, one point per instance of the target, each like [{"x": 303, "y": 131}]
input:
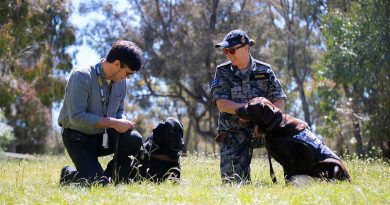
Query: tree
[
  {"x": 295, "y": 47},
  {"x": 34, "y": 36},
  {"x": 356, "y": 64}
]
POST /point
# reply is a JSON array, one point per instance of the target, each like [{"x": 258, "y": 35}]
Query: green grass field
[{"x": 36, "y": 182}]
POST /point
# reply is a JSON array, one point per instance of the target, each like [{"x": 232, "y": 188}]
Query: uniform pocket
[{"x": 259, "y": 85}]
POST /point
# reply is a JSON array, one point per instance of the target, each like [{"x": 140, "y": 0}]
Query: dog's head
[
  {"x": 168, "y": 137},
  {"x": 259, "y": 111}
]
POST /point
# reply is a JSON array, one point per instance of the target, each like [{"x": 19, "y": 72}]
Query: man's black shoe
[{"x": 67, "y": 174}]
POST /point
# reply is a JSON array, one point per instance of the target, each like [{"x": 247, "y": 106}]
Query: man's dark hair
[{"x": 127, "y": 53}]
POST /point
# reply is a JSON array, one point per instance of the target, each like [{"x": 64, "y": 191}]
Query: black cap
[{"x": 233, "y": 38}]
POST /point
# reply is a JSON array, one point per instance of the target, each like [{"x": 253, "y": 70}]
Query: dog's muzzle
[{"x": 242, "y": 112}]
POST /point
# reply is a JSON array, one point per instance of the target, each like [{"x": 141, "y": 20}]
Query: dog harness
[{"x": 320, "y": 149}]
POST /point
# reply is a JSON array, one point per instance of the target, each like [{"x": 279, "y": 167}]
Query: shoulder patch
[{"x": 214, "y": 83}]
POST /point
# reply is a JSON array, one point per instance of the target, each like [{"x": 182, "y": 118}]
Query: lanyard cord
[{"x": 104, "y": 99}]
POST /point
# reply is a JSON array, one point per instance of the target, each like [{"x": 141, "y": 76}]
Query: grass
[{"x": 36, "y": 182}]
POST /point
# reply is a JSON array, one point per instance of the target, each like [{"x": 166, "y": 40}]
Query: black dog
[
  {"x": 159, "y": 158},
  {"x": 290, "y": 142}
]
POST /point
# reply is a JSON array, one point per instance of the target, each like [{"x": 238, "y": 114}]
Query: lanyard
[{"x": 104, "y": 99}]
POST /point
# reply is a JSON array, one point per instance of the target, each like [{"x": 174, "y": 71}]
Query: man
[
  {"x": 235, "y": 83},
  {"x": 92, "y": 116}
]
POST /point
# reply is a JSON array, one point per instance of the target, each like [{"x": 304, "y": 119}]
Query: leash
[
  {"x": 278, "y": 120},
  {"x": 116, "y": 168},
  {"x": 267, "y": 131},
  {"x": 271, "y": 169},
  {"x": 250, "y": 156},
  {"x": 163, "y": 157}
]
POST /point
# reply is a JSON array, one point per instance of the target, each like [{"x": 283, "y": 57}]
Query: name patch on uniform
[{"x": 259, "y": 76}]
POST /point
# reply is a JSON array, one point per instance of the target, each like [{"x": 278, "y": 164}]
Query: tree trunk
[
  {"x": 358, "y": 136},
  {"x": 187, "y": 136},
  {"x": 305, "y": 106}
]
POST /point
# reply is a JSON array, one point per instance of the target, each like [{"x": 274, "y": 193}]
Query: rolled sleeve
[
  {"x": 219, "y": 87},
  {"x": 275, "y": 91}
]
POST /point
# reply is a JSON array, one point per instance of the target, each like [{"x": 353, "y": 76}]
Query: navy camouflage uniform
[{"x": 232, "y": 84}]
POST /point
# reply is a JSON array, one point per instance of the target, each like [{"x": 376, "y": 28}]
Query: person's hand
[{"x": 123, "y": 125}]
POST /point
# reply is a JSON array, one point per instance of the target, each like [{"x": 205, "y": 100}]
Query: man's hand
[
  {"x": 123, "y": 125},
  {"x": 120, "y": 125}
]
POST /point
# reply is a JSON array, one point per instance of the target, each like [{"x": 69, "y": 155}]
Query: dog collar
[{"x": 276, "y": 122}]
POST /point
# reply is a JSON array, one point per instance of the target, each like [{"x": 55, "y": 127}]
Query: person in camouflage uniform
[{"x": 235, "y": 83}]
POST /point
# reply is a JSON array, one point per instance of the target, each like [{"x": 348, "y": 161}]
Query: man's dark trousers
[{"x": 84, "y": 151}]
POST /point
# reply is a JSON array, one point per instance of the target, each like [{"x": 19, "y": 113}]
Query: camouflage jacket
[{"x": 232, "y": 84}]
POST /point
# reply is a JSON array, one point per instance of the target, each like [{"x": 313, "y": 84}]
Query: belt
[{"x": 72, "y": 130}]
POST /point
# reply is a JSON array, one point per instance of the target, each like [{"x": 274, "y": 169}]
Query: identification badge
[
  {"x": 105, "y": 140},
  {"x": 259, "y": 76}
]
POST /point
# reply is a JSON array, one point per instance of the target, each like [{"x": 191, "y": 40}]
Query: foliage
[
  {"x": 357, "y": 62},
  {"x": 6, "y": 133},
  {"x": 36, "y": 182},
  {"x": 295, "y": 45},
  {"x": 34, "y": 36}
]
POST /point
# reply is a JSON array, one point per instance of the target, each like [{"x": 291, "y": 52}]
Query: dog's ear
[
  {"x": 175, "y": 123},
  {"x": 242, "y": 112},
  {"x": 174, "y": 135},
  {"x": 269, "y": 111},
  {"x": 158, "y": 134},
  {"x": 249, "y": 114},
  {"x": 254, "y": 111}
]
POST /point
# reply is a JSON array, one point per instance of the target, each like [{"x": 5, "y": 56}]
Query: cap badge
[{"x": 242, "y": 39}]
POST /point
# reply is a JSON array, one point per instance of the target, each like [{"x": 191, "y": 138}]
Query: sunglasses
[
  {"x": 231, "y": 51},
  {"x": 128, "y": 74}
]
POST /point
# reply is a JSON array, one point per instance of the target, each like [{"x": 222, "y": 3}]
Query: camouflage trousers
[{"x": 235, "y": 157}]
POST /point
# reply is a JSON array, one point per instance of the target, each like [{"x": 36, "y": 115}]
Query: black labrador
[
  {"x": 291, "y": 143},
  {"x": 159, "y": 158}
]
